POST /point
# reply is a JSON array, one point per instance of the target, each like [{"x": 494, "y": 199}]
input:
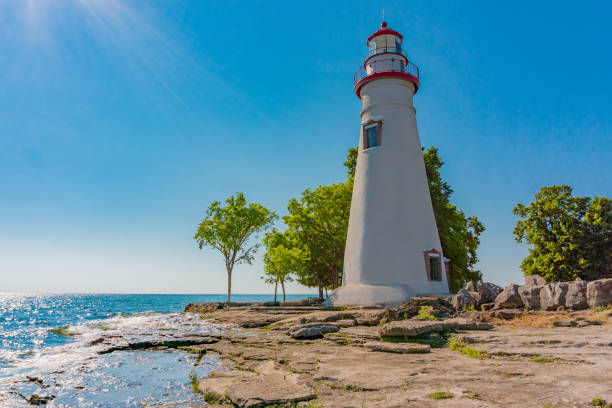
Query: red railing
[{"x": 377, "y": 66}]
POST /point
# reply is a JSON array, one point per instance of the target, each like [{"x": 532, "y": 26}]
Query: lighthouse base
[{"x": 369, "y": 295}]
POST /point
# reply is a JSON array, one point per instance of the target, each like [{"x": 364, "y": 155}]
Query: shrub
[{"x": 425, "y": 314}]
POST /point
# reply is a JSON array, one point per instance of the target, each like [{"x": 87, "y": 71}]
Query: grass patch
[
  {"x": 213, "y": 399},
  {"x": 598, "y": 402},
  {"x": 425, "y": 314},
  {"x": 435, "y": 340},
  {"x": 457, "y": 345},
  {"x": 600, "y": 309},
  {"x": 194, "y": 384},
  {"x": 440, "y": 395}
]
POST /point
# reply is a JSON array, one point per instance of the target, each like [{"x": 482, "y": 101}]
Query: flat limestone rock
[
  {"x": 345, "y": 323},
  {"x": 264, "y": 387},
  {"x": 268, "y": 389},
  {"x": 311, "y": 330},
  {"x": 459, "y": 323},
  {"x": 400, "y": 348},
  {"x": 410, "y": 328},
  {"x": 361, "y": 332}
]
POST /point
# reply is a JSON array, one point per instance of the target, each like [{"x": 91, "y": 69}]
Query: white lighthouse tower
[{"x": 393, "y": 250}]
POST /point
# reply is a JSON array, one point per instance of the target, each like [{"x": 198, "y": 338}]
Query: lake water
[{"x": 53, "y": 338}]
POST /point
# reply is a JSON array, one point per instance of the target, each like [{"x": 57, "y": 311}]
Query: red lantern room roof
[
  {"x": 384, "y": 30},
  {"x": 386, "y": 60}
]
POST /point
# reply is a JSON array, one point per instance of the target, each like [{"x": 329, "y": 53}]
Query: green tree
[
  {"x": 282, "y": 259},
  {"x": 228, "y": 229},
  {"x": 319, "y": 222},
  {"x": 459, "y": 234},
  {"x": 570, "y": 236}
]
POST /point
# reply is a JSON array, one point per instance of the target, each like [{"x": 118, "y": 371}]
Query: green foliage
[
  {"x": 570, "y": 236},
  {"x": 469, "y": 308},
  {"x": 351, "y": 163},
  {"x": 318, "y": 223},
  {"x": 440, "y": 395},
  {"x": 282, "y": 259},
  {"x": 598, "y": 402},
  {"x": 425, "y": 314},
  {"x": 228, "y": 229},
  {"x": 459, "y": 234}
]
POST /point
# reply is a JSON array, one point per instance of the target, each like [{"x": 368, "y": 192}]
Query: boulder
[
  {"x": 530, "y": 295},
  {"x": 534, "y": 280},
  {"x": 472, "y": 315},
  {"x": 487, "y": 306},
  {"x": 599, "y": 292},
  {"x": 311, "y": 330},
  {"x": 488, "y": 291},
  {"x": 470, "y": 286},
  {"x": 509, "y": 298},
  {"x": 576, "y": 297},
  {"x": 553, "y": 295},
  {"x": 401, "y": 348},
  {"x": 463, "y": 300}
]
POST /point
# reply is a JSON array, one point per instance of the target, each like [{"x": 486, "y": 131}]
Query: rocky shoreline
[{"x": 420, "y": 354}]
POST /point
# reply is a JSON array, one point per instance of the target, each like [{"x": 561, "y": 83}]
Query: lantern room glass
[{"x": 385, "y": 43}]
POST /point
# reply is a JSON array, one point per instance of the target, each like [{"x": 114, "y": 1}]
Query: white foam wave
[{"x": 118, "y": 330}]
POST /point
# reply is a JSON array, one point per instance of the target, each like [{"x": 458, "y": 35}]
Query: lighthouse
[{"x": 393, "y": 250}]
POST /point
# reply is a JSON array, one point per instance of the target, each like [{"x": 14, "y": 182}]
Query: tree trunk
[
  {"x": 283, "y": 286},
  {"x": 320, "y": 291},
  {"x": 275, "y": 290},
  {"x": 229, "y": 285}
]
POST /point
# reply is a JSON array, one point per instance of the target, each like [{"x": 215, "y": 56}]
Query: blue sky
[{"x": 120, "y": 121}]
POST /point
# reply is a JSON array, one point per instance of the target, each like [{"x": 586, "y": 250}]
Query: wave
[{"x": 93, "y": 337}]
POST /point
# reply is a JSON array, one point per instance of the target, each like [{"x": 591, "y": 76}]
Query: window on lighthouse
[
  {"x": 434, "y": 268},
  {"x": 371, "y": 135}
]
